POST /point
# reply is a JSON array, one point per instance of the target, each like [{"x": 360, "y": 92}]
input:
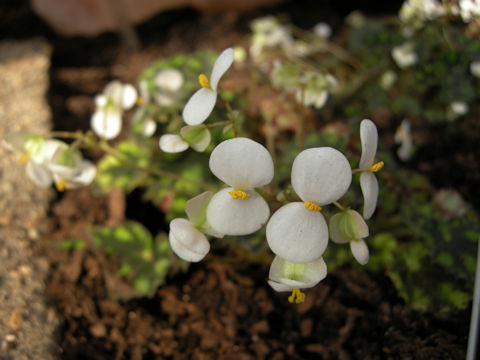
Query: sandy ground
[{"x": 27, "y": 322}]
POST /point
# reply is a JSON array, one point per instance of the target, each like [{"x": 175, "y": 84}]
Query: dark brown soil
[{"x": 221, "y": 308}]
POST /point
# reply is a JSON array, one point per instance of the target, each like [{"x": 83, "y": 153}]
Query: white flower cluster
[
  {"x": 49, "y": 161},
  {"x": 106, "y": 121},
  {"x": 167, "y": 83},
  {"x": 297, "y": 233},
  {"x": 268, "y": 33},
  {"x": 117, "y": 97},
  {"x": 243, "y": 165}
]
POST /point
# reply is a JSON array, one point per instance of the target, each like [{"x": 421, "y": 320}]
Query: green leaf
[
  {"x": 70, "y": 244},
  {"x": 123, "y": 170},
  {"x": 144, "y": 261}
]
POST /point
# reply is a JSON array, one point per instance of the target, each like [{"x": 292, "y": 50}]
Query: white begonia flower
[
  {"x": 298, "y": 232},
  {"x": 197, "y": 137},
  {"x": 286, "y": 276},
  {"x": 403, "y": 136},
  {"x": 168, "y": 82},
  {"x": 323, "y": 30},
  {"x": 172, "y": 143},
  {"x": 186, "y": 237},
  {"x": 37, "y": 154},
  {"x": 70, "y": 170},
  {"x": 368, "y": 181},
  {"x": 243, "y": 164},
  {"x": 106, "y": 121},
  {"x": 475, "y": 68},
  {"x": 200, "y": 105},
  {"x": 404, "y": 55},
  {"x": 186, "y": 241},
  {"x": 349, "y": 227},
  {"x": 38, "y": 166}
]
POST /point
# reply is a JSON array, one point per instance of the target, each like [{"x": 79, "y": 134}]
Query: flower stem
[
  {"x": 231, "y": 115},
  {"x": 159, "y": 172},
  {"x": 337, "y": 204}
]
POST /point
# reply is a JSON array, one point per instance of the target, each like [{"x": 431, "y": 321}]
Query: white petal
[
  {"x": 360, "y": 251},
  {"x": 369, "y": 139},
  {"x": 84, "y": 177},
  {"x": 362, "y": 227},
  {"x": 170, "y": 80},
  {"x": 242, "y": 163},
  {"x": 65, "y": 163},
  {"x": 311, "y": 274},
  {"x": 172, "y": 143},
  {"x": 113, "y": 92},
  {"x": 106, "y": 124},
  {"x": 347, "y": 226},
  {"x": 279, "y": 287},
  {"x": 39, "y": 174},
  {"x": 149, "y": 127},
  {"x": 129, "y": 96},
  {"x": 199, "y": 107},
  {"x": 222, "y": 64},
  {"x": 186, "y": 241},
  {"x": 237, "y": 217},
  {"x": 100, "y": 101},
  {"x": 196, "y": 207},
  {"x": 334, "y": 229},
  {"x": 297, "y": 234},
  {"x": 51, "y": 147},
  {"x": 321, "y": 175},
  {"x": 369, "y": 186}
]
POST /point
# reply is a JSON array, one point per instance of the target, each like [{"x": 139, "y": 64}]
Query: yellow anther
[
  {"x": 61, "y": 185},
  {"x": 203, "y": 80},
  {"x": 238, "y": 194},
  {"x": 312, "y": 206},
  {"x": 140, "y": 101},
  {"x": 23, "y": 159},
  {"x": 376, "y": 167},
  {"x": 297, "y": 296}
]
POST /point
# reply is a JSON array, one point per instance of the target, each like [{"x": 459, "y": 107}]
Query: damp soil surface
[{"x": 221, "y": 308}]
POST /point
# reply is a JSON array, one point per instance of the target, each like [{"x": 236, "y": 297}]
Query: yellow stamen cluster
[
  {"x": 61, "y": 185},
  {"x": 297, "y": 296},
  {"x": 140, "y": 101},
  {"x": 376, "y": 167},
  {"x": 23, "y": 160},
  {"x": 203, "y": 80},
  {"x": 238, "y": 194},
  {"x": 312, "y": 206}
]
